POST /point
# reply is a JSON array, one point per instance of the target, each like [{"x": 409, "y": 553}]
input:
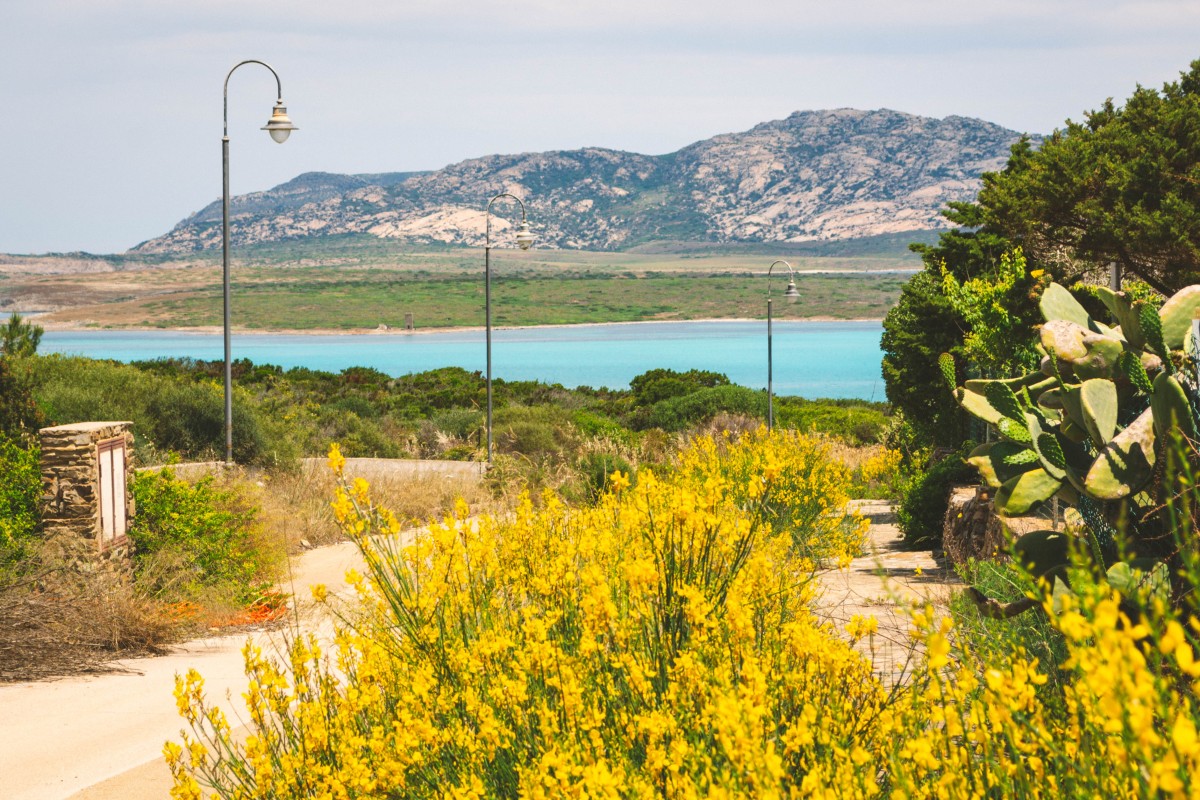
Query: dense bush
[
  {"x": 662, "y": 384},
  {"x": 20, "y": 488},
  {"x": 922, "y": 510},
  {"x": 683, "y": 412},
  {"x": 19, "y": 413},
  {"x": 186, "y": 417},
  {"x": 854, "y": 421},
  {"x": 651, "y": 645},
  {"x": 533, "y": 431},
  {"x": 198, "y": 541},
  {"x": 596, "y": 469}
]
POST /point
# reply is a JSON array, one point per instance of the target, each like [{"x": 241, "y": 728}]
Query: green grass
[
  {"x": 357, "y": 299},
  {"x": 354, "y": 282}
]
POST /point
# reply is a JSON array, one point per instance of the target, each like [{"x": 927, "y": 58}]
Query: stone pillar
[{"x": 86, "y": 503}]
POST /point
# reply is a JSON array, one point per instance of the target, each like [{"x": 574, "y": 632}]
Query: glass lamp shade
[
  {"x": 525, "y": 236},
  {"x": 791, "y": 294},
  {"x": 280, "y": 125}
]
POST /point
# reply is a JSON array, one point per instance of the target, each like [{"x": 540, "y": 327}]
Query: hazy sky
[{"x": 110, "y": 110}]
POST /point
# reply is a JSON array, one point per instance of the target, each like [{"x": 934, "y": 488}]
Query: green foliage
[
  {"x": 186, "y": 417},
  {"x": 599, "y": 426},
  {"x": 19, "y": 339},
  {"x": 533, "y": 431},
  {"x": 998, "y": 308},
  {"x": 1119, "y": 186},
  {"x": 207, "y": 536},
  {"x": 922, "y": 325},
  {"x": 20, "y": 416},
  {"x": 662, "y": 384},
  {"x": 855, "y": 422},
  {"x": 461, "y": 423},
  {"x": 595, "y": 468},
  {"x": 922, "y": 510},
  {"x": 20, "y": 488},
  {"x": 680, "y": 413}
]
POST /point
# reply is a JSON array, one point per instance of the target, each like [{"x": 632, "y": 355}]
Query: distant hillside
[{"x": 815, "y": 176}]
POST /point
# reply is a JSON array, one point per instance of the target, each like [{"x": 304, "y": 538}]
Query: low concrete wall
[
  {"x": 190, "y": 471},
  {"x": 404, "y": 468},
  {"x": 471, "y": 471}
]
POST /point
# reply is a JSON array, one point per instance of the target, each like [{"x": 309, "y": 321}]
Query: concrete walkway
[{"x": 885, "y": 582}]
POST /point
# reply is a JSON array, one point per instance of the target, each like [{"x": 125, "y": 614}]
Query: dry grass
[
  {"x": 56, "y": 621},
  {"x": 853, "y": 456}
]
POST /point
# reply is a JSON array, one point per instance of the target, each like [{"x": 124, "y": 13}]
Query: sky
[{"x": 111, "y": 110}]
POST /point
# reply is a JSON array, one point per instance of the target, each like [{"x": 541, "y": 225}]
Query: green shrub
[
  {"x": 186, "y": 417},
  {"x": 598, "y": 426},
  {"x": 662, "y": 384},
  {"x": 355, "y": 404},
  {"x": 854, "y": 422},
  {"x": 198, "y": 540},
  {"x": 20, "y": 487},
  {"x": 681, "y": 413},
  {"x": 534, "y": 431},
  {"x": 19, "y": 414},
  {"x": 922, "y": 510},
  {"x": 358, "y": 437},
  {"x": 461, "y": 423},
  {"x": 596, "y": 467}
]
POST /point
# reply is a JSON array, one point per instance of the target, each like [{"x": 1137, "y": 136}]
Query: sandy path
[
  {"x": 884, "y": 583},
  {"x": 101, "y": 737}
]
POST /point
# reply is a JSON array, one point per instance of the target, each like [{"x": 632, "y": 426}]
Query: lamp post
[
  {"x": 791, "y": 294},
  {"x": 280, "y": 127},
  {"x": 524, "y": 240}
]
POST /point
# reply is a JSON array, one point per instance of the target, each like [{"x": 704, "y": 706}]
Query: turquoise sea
[{"x": 812, "y": 359}]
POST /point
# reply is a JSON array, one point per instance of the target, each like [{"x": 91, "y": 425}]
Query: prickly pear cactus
[{"x": 1093, "y": 419}]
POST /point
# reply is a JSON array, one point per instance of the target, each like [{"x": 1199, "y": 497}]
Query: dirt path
[
  {"x": 100, "y": 737},
  {"x": 883, "y": 583}
]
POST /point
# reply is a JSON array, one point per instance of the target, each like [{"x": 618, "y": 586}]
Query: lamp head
[
  {"x": 280, "y": 125},
  {"x": 791, "y": 294},
  {"x": 525, "y": 236}
]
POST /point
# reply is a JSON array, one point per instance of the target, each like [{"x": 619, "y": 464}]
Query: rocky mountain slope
[{"x": 817, "y": 175}]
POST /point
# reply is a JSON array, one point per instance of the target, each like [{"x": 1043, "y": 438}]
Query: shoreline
[{"x": 66, "y": 327}]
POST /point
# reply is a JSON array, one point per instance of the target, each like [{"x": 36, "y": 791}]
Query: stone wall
[{"x": 70, "y": 502}]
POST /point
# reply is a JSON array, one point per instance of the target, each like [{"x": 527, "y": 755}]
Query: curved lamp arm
[
  {"x": 278, "y": 86},
  {"x": 791, "y": 274},
  {"x": 488, "y": 213}
]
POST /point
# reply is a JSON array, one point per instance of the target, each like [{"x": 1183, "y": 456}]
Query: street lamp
[
  {"x": 791, "y": 294},
  {"x": 524, "y": 241},
  {"x": 280, "y": 127}
]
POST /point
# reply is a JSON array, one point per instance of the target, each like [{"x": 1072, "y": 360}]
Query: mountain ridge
[{"x": 813, "y": 175}]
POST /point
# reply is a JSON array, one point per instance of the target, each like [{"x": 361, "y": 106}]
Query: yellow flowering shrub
[
  {"x": 1125, "y": 726},
  {"x": 657, "y": 644},
  {"x": 881, "y": 473},
  {"x": 795, "y": 479},
  {"x": 661, "y": 644}
]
